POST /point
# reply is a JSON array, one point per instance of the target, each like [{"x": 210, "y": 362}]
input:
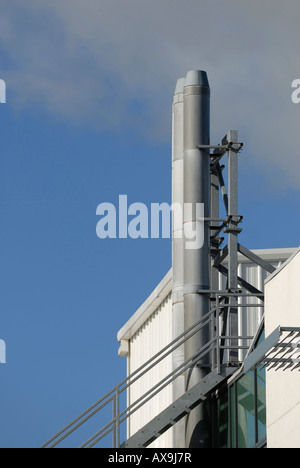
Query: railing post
[
  {"x": 114, "y": 442},
  {"x": 118, "y": 416},
  {"x": 218, "y": 333},
  {"x": 213, "y": 337}
]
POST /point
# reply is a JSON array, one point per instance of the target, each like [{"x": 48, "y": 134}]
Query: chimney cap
[
  {"x": 179, "y": 86},
  {"x": 196, "y": 78}
]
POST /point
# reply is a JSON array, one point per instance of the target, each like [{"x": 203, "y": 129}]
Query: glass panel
[
  {"x": 261, "y": 404},
  {"x": 221, "y": 422},
  {"x": 235, "y": 423},
  {"x": 245, "y": 411},
  {"x": 232, "y": 417}
]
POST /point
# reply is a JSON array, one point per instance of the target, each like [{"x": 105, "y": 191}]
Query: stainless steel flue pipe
[
  {"x": 178, "y": 250},
  {"x": 196, "y": 132}
]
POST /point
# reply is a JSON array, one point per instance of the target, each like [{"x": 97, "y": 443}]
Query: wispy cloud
[{"x": 112, "y": 63}]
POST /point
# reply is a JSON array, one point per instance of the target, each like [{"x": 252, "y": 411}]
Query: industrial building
[
  {"x": 226, "y": 288},
  {"x": 213, "y": 354},
  {"x": 244, "y": 410}
]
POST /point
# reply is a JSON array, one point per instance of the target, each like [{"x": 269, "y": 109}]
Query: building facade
[
  {"x": 239, "y": 407},
  {"x": 282, "y": 306}
]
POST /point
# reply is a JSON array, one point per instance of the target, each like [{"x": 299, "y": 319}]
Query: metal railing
[{"x": 219, "y": 342}]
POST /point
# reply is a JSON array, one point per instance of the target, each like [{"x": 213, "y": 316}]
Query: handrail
[
  {"x": 113, "y": 396},
  {"x": 142, "y": 370}
]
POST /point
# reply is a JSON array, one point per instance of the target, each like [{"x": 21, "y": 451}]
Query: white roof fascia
[{"x": 147, "y": 308}]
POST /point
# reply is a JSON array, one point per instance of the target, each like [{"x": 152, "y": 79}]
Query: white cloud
[{"x": 112, "y": 62}]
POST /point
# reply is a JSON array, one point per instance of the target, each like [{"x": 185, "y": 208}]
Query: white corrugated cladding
[
  {"x": 250, "y": 317},
  {"x": 150, "y": 329},
  {"x": 155, "y": 333}
]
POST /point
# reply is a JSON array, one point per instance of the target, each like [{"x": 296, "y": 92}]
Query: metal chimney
[
  {"x": 178, "y": 249},
  {"x": 196, "y": 102}
]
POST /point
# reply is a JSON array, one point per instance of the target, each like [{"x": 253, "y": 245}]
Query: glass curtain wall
[{"x": 239, "y": 412}]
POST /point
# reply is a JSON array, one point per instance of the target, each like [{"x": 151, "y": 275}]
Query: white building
[
  {"x": 282, "y": 304},
  {"x": 151, "y": 328}
]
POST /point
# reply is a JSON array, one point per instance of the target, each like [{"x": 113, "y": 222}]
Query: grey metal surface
[
  {"x": 258, "y": 354},
  {"x": 256, "y": 259},
  {"x": 178, "y": 409},
  {"x": 178, "y": 246},
  {"x": 196, "y": 98},
  {"x": 280, "y": 350},
  {"x": 249, "y": 287},
  {"x": 233, "y": 230}
]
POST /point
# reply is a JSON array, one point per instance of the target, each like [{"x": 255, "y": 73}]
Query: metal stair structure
[
  {"x": 280, "y": 350},
  {"x": 218, "y": 348},
  {"x": 177, "y": 410}
]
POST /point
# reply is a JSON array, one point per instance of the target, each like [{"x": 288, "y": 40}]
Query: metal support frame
[
  {"x": 231, "y": 227},
  {"x": 230, "y": 145},
  {"x": 233, "y": 231},
  {"x": 256, "y": 259},
  {"x": 217, "y": 370}
]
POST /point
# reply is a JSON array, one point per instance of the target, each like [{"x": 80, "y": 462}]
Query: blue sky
[{"x": 88, "y": 117}]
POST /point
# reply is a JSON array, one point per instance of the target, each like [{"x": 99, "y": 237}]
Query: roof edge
[
  {"x": 147, "y": 308},
  {"x": 275, "y": 273}
]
